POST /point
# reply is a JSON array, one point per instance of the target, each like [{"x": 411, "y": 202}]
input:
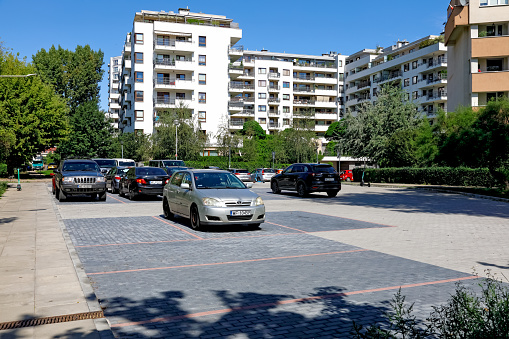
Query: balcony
[
  {"x": 236, "y": 87},
  {"x": 273, "y": 88},
  {"x": 490, "y": 82},
  {"x": 242, "y": 100},
  {"x": 127, "y": 63},
  {"x": 490, "y": 47},
  {"x": 303, "y": 102},
  {"x": 298, "y": 78},
  {"x": 394, "y": 75},
  {"x": 315, "y": 64},
  {"x": 435, "y": 96},
  {"x": 303, "y": 90},
  {"x": 236, "y": 123},
  {"x": 171, "y": 102},
  {"x": 179, "y": 64},
  {"x": 235, "y": 70},
  {"x": 273, "y": 125},
  {"x": 274, "y": 113},
  {"x": 364, "y": 84},
  {"x": 161, "y": 44},
  {"x": 273, "y": 100},
  {"x": 274, "y": 75},
  {"x": 245, "y": 113},
  {"x": 169, "y": 83},
  {"x": 235, "y": 52},
  {"x": 440, "y": 62}
]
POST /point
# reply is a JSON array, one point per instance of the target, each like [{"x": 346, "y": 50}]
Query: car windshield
[
  {"x": 80, "y": 166},
  {"x": 217, "y": 180},
  {"x": 122, "y": 170},
  {"x": 173, "y": 163},
  {"x": 37, "y": 162},
  {"x": 126, "y": 163},
  {"x": 150, "y": 171},
  {"x": 323, "y": 169},
  {"x": 106, "y": 163},
  {"x": 269, "y": 170}
]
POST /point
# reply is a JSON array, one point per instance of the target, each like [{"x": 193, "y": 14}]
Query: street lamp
[
  {"x": 176, "y": 138},
  {"x": 17, "y": 76},
  {"x": 122, "y": 144}
]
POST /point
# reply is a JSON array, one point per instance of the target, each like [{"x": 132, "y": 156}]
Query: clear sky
[{"x": 301, "y": 27}]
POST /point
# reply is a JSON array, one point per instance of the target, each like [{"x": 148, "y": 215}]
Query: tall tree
[{"x": 32, "y": 116}]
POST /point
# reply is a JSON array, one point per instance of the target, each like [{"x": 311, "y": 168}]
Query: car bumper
[
  {"x": 222, "y": 215},
  {"x": 149, "y": 190},
  {"x": 321, "y": 187},
  {"x": 82, "y": 189}
]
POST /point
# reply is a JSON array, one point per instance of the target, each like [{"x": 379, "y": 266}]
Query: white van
[{"x": 125, "y": 162}]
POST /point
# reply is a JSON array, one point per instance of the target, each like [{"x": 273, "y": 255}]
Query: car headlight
[
  {"x": 258, "y": 201},
  {"x": 213, "y": 202},
  {"x": 100, "y": 179},
  {"x": 68, "y": 180}
]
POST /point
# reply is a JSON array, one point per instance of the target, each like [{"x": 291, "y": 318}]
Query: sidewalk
[{"x": 40, "y": 273}]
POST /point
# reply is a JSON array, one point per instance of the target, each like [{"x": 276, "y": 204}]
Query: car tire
[
  {"x": 168, "y": 214},
  {"x": 301, "y": 190},
  {"x": 130, "y": 195},
  {"x": 102, "y": 196},
  {"x": 120, "y": 191},
  {"x": 194, "y": 218},
  {"x": 57, "y": 193},
  {"x": 348, "y": 179},
  {"x": 113, "y": 189},
  {"x": 61, "y": 196},
  {"x": 332, "y": 194},
  {"x": 275, "y": 187},
  {"x": 53, "y": 189}
]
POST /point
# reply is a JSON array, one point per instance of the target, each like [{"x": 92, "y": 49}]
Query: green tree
[
  {"x": 32, "y": 117},
  {"x": 228, "y": 141},
  {"x": 253, "y": 128},
  {"x": 136, "y": 146}
]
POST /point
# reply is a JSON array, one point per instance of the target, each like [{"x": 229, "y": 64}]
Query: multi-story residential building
[
  {"x": 419, "y": 67},
  {"x": 477, "y": 39},
  {"x": 277, "y": 89},
  {"x": 114, "y": 70},
  {"x": 171, "y": 59}
]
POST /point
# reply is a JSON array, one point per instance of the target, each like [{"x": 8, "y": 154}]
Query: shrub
[
  {"x": 3, "y": 170},
  {"x": 454, "y": 176},
  {"x": 3, "y": 188}
]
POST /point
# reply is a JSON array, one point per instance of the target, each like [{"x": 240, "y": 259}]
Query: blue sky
[{"x": 297, "y": 26}]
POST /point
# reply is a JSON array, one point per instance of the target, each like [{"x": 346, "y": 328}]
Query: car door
[
  {"x": 294, "y": 176},
  {"x": 173, "y": 192},
  {"x": 284, "y": 178},
  {"x": 186, "y": 195}
]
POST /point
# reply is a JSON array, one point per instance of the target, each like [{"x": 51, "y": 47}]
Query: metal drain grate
[{"x": 51, "y": 320}]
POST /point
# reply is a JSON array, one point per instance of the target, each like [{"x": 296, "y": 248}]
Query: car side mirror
[
  {"x": 249, "y": 184},
  {"x": 185, "y": 186},
  {"x": 52, "y": 174}
]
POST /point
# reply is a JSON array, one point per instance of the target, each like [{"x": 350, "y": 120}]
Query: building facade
[
  {"x": 419, "y": 67},
  {"x": 114, "y": 70},
  {"x": 477, "y": 39}
]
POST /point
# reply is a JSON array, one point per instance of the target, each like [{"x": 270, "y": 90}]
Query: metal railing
[
  {"x": 274, "y": 75},
  {"x": 307, "y": 77},
  {"x": 168, "y": 62},
  {"x": 170, "y": 81},
  {"x": 314, "y": 64},
  {"x": 304, "y": 89},
  {"x": 241, "y": 86},
  {"x": 273, "y": 88},
  {"x": 303, "y": 102},
  {"x": 272, "y": 100}
]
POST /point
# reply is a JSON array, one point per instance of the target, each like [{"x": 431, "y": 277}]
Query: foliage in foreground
[
  {"x": 3, "y": 188},
  {"x": 465, "y": 315}
]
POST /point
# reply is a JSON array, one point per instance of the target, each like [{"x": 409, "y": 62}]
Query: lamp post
[
  {"x": 122, "y": 144},
  {"x": 18, "y": 76},
  {"x": 176, "y": 138}
]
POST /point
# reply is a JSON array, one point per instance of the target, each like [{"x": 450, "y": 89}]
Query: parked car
[
  {"x": 143, "y": 181},
  {"x": 37, "y": 165},
  {"x": 346, "y": 175},
  {"x": 52, "y": 166},
  {"x": 113, "y": 178},
  {"x": 242, "y": 174},
  {"x": 263, "y": 174},
  {"x": 306, "y": 178},
  {"x": 79, "y": 176},
  {"x": 171, "y": 170},
  {"x": 166, "y": 163},
  {"x": 105, "y": 164},
  {"x": 212, "y": 197},
  {"x": 124, "y": 162}
]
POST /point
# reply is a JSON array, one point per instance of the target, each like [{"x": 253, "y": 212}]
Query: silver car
[{"x": 212, "y": 197}]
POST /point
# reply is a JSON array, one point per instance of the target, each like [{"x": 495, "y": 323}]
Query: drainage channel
[{"x": 51, "y": 320}]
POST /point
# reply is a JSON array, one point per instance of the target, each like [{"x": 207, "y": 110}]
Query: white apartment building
[
  {"x": 171, "y": 59},
  {"x": 275, "y": 89},
  {"x": 419, "y": 67},
  {"x": 114, "y": 70}
]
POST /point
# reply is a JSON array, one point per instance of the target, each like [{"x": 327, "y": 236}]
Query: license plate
[
  {"x": 236, "y": 213},
  {"x": 156, "y": 182},
  {"x": 84, "y": 186},
  {"x": 329, "y": 179}
]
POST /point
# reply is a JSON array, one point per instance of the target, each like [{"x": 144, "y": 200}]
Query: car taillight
[
  {"x": 237, "y": 173},
  {"x": 141, "y": 181},
  {"x": 117, "y": 178},
  {"x": 263, "y": 172}
]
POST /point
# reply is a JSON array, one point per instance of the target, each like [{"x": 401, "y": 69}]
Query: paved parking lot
[{"x": 312, "y": 268}]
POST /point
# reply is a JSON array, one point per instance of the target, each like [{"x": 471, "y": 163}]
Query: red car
[{"x": 346, "y": 175}]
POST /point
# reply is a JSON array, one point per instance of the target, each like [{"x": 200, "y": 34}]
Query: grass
[
  {"x": 3, "y": 188},
  {"x": 492, "y": 192}
]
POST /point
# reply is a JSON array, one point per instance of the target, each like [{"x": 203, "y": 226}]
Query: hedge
[
  {"x": 3, "y": 170},
  {"x": 454, "y": 176}
]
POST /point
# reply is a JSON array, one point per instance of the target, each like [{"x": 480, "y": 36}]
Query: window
[
  {"x": 115, "y": 76},
  {"x": 286, "y": 109},
  {"x": 494, "y": 96},
  {"x": 286, "y": 122},
  {"x": 262, "y": 71},
  {"x": 262, "y": 121},
  {"x": 414, "y": 95},
  {"x": 202, "y": 116},
  {"x": 286, "y": 72},
  {"x": 493, "y": 2},
  {"x": 202, "y": 60},
  {"x": 286, "y": 84},
  {"x": 138, "y": 76},
  {"x": 115, "y": 69},
  {"x": 202, "y": 41},
  {"x": 115, "y": 62},
  {"x": 414, "y": 80},
  {"x": 340, "y": 63},
  {"x": 262, "y": 108},
  {"x": 286, "y": 96},
  {"x": 138, "y": 96},
  {"x": 407, "y": 96},
  {"x": 407, "y": 82},
  {"x": 414, "y": 64},
  {"x": 202, "y": 79},
  {"x": 138, "y": 38},
  {"x": 262, "y": 83},
  {"x": 202, "y": 97},
  {"x": 341, "y": 76},
  {"x": 262, "y": 95},
  {"x": 139, "y": 115},
  {"x": 406, "y": 67},
  {"x": 138, "y": 58}
]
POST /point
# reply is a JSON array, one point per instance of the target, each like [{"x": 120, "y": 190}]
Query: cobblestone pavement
[{"x": 313, "y": 267}]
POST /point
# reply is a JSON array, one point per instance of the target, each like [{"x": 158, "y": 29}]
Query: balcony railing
[
  {"x": 273, "y": 125},
  {"x": 274, "y": 75},
  {"x": 242, "y": 99},
  {"x": 307, "y": 77},
  {"x": 364, "y": 84},
  {"x": 169, "y": 101},
  {"x": 303, "y": 102},
  {"x": 171, "y": 81},
  {"x": 274, "y": 112},
  {"x": 304, "y": 89},
  {"x": 169, "y": 42},
  {"x": 438, "y": 62},
  {"x": 172, "y": 62},
  {"x": 436, "y": 78},
  {"x": 246, "y": 112},
  {"x": 241, "y": 86},
  {"x": 273, "y": 100},
  {"x": 273, "y": 88},
  {"x": 236, "y": 67},
  {"x": 314, "y": 64},
  {"x": 236, "y": 49},
  {"x": 237, "y": 123}
]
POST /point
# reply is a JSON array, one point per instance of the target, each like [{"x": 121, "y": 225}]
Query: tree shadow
[{"x": 493, "y": 265}]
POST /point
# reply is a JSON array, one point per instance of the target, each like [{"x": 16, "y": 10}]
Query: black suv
[
  {"x": 306, "y": 178},
  {"x": 79, "y": 176}
]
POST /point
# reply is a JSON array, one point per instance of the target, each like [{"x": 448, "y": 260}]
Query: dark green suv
[{"x": 78, "y": 177}]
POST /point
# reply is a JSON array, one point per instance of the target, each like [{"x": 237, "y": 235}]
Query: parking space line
[
  {"x": 335, "y": 216},
  {"x": 229, "y": 262},
  {"x": 183, "y": 230},
  {"x": 109, "y": 195},
  {"x": 284, "y": 302},
  {"x": 295, "y": 229}
]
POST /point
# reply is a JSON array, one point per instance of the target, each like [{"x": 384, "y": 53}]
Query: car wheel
[
  {"x": 61, "y": 196},
  {"x": 275, "y": 187},
  {"x": 130, "y": 195},
  {"x": 332, "y": 194},
  {"x": 348, "y": 179},
  {"x": 301, "y": 190},
  {"x": 113, "y": 189},
  {"x": 167, "y": 210},
  {"x": 120, "y": 191},
  {"x": 195, "y": 218},
  {"x": 102, "y": 196},
  {"x": 52, "y": 189},
  {"x": 57, "y": 192}
]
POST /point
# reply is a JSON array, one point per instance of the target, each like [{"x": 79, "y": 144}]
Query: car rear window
[
  {"x": 323, "y": 169},
  {"x": 126, "y": 163},
  {"x": 269, "y": 170},
  {"x": 173, "y": 163},
  {"x": 150, "y": 171},
  {"x": 241, "y": 171},
  {"x": 106, "y": 162}
]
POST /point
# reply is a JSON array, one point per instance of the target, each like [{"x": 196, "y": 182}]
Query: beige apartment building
[{"x": 477, "y": 40}]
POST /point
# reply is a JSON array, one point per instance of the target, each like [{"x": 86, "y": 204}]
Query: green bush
[
  {"x": 3, "y": 170},
  {"x": 454, "y": 176},
  {"x": 3, "y": 188}
]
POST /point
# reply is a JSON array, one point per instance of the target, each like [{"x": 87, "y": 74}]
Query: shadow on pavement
[{"x": 7, "y": 220}]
